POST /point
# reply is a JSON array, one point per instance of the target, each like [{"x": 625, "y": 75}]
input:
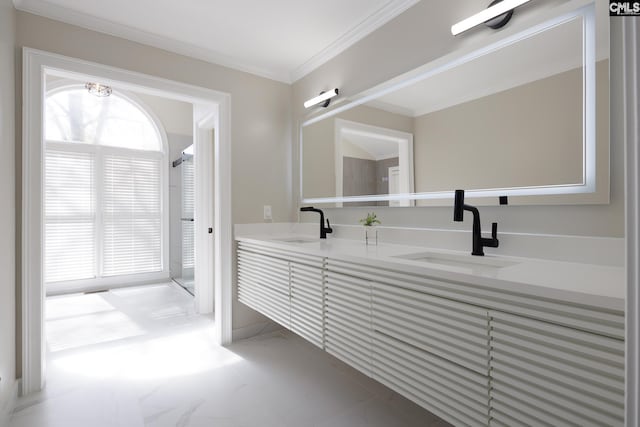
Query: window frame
[{"x": 100, "y": 151}]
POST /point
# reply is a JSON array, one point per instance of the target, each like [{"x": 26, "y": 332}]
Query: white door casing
[{"x": 213, "y": 112}]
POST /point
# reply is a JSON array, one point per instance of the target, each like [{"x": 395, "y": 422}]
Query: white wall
[
  {"x": 418, "y": 36},
  {"x": 7, "y": 208},
  {"x": 260, "y": 114}
]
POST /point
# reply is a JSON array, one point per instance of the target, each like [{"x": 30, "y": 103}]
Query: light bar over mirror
[
  {"x": 324, "y": 97},
  {"x": 496, "y": 9},
  {"x": 517, "y": 117}
]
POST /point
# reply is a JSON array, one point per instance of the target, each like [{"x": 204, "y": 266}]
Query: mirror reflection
[{"x": 510, "y": 118}]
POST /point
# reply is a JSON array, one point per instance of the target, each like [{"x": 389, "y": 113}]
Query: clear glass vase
[{"x": 370, "y": 236}]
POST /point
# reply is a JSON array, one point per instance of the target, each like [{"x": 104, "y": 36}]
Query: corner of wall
[{"x": 8, "y": 383}]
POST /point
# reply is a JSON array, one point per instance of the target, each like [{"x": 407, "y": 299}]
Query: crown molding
[
  {"x": 83, "y": 20},
  {"x": 357, "y": 33}
]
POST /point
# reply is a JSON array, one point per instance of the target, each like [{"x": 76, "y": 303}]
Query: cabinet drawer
[
  {"x": 589, "y": 318},
  {"x": 450, "y": 391},
  {"x": 455, "y": 331},
  {"x": 348, "y": 320},
  {"x": 263, "y": 284},
  {"x": 282, "y": 254},
  {"x": 307, "y": 301},
  {"x": 545, "y": 374},
  {"x": 268, "y": 272},
  {"x": 273, "y": 305}
]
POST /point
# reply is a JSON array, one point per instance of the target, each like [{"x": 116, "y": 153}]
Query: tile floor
[{"x": 142, "y": 357}]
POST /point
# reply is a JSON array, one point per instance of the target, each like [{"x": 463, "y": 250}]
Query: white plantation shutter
[
  {"x": 104, "y": 193},
  {"x": 70, "y": 249},
  {"x": 132, "y": 215}
]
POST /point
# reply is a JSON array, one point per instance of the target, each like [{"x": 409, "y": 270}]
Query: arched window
[{"x": 104, "y": 188}]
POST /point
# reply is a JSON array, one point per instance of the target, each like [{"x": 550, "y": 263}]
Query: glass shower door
[{"x": 186, "y": 278}]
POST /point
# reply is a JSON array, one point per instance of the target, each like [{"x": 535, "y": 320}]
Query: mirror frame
[{"x": 588, "y": 185}]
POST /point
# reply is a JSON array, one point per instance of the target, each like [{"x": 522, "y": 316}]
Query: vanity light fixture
[
  {"x": 98, "y": 90},
  {"x": 495, "y": 16},
  {"x": 323, "y": 97}
]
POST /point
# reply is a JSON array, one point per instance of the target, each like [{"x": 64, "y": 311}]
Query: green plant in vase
[
  {"x": 370, "y": 220},
  {"x": 370, "y": 234}
]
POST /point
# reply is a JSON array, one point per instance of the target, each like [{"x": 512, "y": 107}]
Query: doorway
[{"x": 211, "y": 111}]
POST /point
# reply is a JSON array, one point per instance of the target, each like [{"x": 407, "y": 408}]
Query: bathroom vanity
[{"x": 491, "y": 340}]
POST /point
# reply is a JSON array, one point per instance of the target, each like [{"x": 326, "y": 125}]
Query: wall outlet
[{"x": 267, "y": 213}]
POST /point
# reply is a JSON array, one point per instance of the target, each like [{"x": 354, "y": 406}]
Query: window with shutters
[{"x": 104, "y": 188}]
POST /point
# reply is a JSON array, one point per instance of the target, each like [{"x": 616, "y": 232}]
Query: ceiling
[{"x": 280, "y": 39}]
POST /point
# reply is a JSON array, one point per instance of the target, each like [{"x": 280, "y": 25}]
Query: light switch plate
[{"x": 267, "y": 213}]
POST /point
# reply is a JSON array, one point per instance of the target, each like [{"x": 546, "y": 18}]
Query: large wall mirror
[{"x": 525, "y": 117}]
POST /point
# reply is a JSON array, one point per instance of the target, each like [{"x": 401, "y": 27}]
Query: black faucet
[
  {"x": 323, "y": 230},
  {"x": 479, "y": 242}
]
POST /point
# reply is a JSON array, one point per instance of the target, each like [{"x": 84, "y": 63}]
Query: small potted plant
[{"x": 370, "y": 233}]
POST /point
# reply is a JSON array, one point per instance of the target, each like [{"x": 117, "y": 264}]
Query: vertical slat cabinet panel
[
  {"x": 433, "y": 351},
  {"x": 263, "y": 284},
  {"x": 348, "y": 320},
  {"x": 307, "y": 302},
  {"x": 544, "y": 374}
]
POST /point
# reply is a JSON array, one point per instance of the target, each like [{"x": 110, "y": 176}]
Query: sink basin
[
  {"x": 295, "y": 240},
  {"x": 454, "y": 260}
]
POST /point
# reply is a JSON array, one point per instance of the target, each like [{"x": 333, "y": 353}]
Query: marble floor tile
[{"x": 141, "y": 356}]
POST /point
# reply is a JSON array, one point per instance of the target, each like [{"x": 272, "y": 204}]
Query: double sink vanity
[
  {"x": 491, "y": 340},
  {"x": 519, "y": 117}
]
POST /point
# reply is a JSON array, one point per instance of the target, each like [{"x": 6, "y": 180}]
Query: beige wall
[
  {"x": 525, "y": 136},
  {"x": 175, "y": 116},
  {"x": 421, "y": 35},
  {"x": 7, "y": 207},
  {"x": 261, "y": 113}
]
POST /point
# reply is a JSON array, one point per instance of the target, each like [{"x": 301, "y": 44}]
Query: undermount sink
[
  {"x": 295, "y": 240},
  {"x": 454, "y": 260}
]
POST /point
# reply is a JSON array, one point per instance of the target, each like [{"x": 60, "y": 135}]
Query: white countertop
[{"x": 590, "y": 284}]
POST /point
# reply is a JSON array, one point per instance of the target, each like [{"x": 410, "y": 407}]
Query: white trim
[
  {"x": 631, "y": 93},
  {"x": 450, "y": 61},
  {"x": 103, "y": 283},
  {"x": 351, "y": 37},
  {"x": 223, "y": 228},
  {"x": 204, "y": 124},
  {"x": 35, "y": 65},
  {"x": 60, "y": 13}
]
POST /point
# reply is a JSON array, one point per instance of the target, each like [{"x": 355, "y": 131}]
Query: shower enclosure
[{"x": 182, "y": 271}]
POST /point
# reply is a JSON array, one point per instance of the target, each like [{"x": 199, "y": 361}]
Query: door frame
[{"x": 212, "y": 110}]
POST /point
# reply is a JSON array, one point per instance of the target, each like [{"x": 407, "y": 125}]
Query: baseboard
[
  {"x": 7, "y": 403},
  {"x": 255, "y": 329}
]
